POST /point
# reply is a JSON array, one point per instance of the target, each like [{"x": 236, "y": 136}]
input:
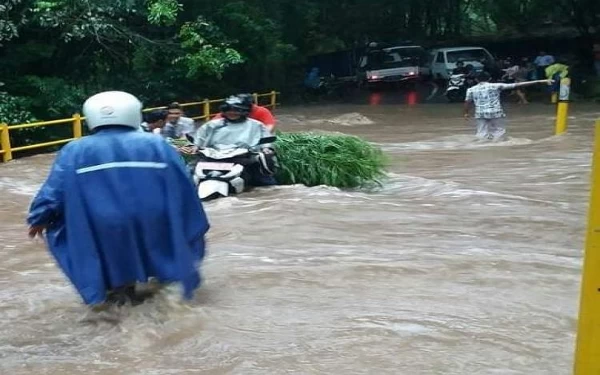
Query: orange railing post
[
  {"x": 5, "y": 142},
  {"x": 77, "y": 128}
]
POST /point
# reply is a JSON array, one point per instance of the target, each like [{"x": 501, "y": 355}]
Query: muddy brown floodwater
[{"x": 466, "y": 261}]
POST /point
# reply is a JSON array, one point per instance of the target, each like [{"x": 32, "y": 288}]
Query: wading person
[
  {"x": 489, "y": 114},
  {"x": 119, "y": 208}
]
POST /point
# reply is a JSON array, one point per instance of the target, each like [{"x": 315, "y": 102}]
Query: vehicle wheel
[
  {"x": 411, "y": 86},
  {"x": 454, "y": 96}
]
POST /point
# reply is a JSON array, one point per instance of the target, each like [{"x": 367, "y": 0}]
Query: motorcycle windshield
[{"x": 223, "y": 154}]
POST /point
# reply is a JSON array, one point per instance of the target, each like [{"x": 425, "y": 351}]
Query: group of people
[
  {"x": 241, "y": 123},
  {"x": 119, "y": 207},
  {"x": 171, "y": 122},
  {"x": 544, "y": 66},
  {"x": 485, "y": 95}
]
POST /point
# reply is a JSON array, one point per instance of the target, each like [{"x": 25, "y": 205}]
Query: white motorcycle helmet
[{"x": 112, "y": 108}]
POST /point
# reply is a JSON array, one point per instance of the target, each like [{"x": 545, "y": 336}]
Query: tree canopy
[{"x": 54, "y": 53}]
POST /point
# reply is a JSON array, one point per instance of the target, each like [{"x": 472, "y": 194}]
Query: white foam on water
[
  {"x": 457, "y": 142},
  {"x": 20, "y": 187},
  {"x": 346, "y": 119},
  {"x": 351, "y": 119}
]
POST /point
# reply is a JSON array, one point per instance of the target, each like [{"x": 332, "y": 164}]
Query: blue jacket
[{"x": 120, "y": 208}]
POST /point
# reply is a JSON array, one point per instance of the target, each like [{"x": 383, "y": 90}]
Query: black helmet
[
  {"x": 247, "y": 98},
  {"x": 236, "y": 104}
]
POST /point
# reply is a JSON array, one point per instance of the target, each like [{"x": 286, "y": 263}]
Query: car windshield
[
  {"x": 467, "y": 55},
  {"x": 395, "y": 58}
]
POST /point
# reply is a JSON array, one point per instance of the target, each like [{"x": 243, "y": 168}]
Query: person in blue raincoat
[{"x": 119, "y": 208}]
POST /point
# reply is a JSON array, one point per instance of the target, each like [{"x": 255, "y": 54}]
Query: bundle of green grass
[
  {"x": 331, "y": 159},
  {"x": 180, "y": 143}
]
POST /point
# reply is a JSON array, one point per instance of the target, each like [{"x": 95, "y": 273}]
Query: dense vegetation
[{"x": 54, "y": 53}]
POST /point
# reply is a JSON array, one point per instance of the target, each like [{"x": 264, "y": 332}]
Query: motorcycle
[
  {"x": 220, "y": 173},
  {"x": 457, "y": 88}
]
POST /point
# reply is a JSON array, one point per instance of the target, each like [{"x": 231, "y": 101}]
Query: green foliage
[
  {"x": 180, "y": 143},
  {"x": 337, "y": 160},
  {"x": 13, "y": 109},
  {"x": 203, "y": 57},
  {"x": 54, "y": 53},
  {"x": 163, "y": 12},
  {"x": 54, "y": 95},
  {"x": 9, "y": 22}
]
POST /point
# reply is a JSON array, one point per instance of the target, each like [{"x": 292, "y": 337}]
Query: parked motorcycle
[{"x": 457, "y": 88}]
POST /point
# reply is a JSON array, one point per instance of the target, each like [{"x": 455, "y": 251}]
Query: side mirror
[{"x": 267, "y": 140}]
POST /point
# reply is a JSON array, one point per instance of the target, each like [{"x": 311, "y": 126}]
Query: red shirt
[{"x": 258, "y": 113}]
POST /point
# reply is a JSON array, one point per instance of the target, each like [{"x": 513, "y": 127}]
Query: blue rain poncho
[{"x": 120, "y": 208}]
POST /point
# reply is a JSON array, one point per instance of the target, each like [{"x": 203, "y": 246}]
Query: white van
[
  {"x": 393, "y": 64},
  {"x": 443, "y": 60}
]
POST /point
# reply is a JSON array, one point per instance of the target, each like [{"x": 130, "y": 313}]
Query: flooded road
[{"x": 466, "y": 261}]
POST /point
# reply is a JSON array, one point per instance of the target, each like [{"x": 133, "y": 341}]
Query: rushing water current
[{"x": 466, "y": 261}]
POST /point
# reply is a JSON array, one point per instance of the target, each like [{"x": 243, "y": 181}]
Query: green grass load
[
  {"x": 337, "y": 160},
  {"x": 180, "y": 143}
]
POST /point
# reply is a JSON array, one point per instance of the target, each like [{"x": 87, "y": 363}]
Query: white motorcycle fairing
[
  {"x": 219, "y": 177},
  {"x": 223, "y": 154},
  {"x": 456, "y": 82}
]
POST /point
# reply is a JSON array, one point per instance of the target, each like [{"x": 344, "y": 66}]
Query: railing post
[
  {"x": 77, "y": 128},
  {"x": 255, "y": 97},
  {"x": 5, "y": 142},
  {"x": 206, "y": 109},
  {"x": 562, "y": 111},
  {"x": 273, "y": 99},
  {"x": 587, "y": 355}
]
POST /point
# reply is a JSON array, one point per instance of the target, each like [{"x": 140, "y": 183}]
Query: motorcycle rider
[
  {"x": 460, "y": 68},
  {"x": 235, "y": 129},
  {"x": 257, "y": 112},
  {"x": 462, "y": 79}
]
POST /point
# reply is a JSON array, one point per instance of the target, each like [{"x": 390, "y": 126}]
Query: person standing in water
[
  {"x": 119, "y": 208},
  {"x": 489, "y": 114}
]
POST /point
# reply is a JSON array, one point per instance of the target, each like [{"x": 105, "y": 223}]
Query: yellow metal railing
[{"x": 6, "y": 150}]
